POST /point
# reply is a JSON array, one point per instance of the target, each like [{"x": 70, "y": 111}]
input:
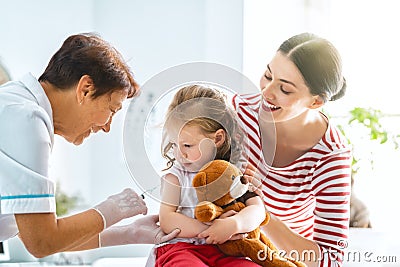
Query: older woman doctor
[{"x": 81, "y": 89}]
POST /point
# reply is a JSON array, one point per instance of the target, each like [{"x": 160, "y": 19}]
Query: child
[{"x": 199, "y": 128}]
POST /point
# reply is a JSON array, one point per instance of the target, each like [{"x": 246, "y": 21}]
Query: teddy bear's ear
[{"x": 200, "y": 179}]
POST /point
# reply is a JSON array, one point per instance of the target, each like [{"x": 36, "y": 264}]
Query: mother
[
  {"x": 81, "y": 89},
  {"x": 303, "y": 159}
]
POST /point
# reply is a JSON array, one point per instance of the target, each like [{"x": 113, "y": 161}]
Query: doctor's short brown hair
[{"x": 88, "y": 54}]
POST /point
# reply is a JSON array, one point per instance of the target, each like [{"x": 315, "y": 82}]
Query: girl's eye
[
  {"x": 187, "y": 145},
  {"x": 284, "y": 91}
]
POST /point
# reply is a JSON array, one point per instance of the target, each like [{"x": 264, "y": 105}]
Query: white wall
[{"x": 31, "y": 31}]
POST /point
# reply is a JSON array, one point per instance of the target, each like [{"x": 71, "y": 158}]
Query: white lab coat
[{"x": 26, "y": 140}]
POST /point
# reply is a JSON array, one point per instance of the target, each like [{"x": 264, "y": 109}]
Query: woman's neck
[{"x": 292, "y": 138}]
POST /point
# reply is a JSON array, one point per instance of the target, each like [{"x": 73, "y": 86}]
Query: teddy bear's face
[{"x": 219, "y": 182}]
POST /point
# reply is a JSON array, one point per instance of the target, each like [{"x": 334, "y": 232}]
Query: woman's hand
[{"x": 254, "y": 177}]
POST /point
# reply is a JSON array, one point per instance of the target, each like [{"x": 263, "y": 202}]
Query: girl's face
[
  {"x": 284, "y": 92},
  {"x": 193, "y": 149}
]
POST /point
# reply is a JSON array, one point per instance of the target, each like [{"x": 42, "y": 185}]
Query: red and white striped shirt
[{"x": 312, "y": 194}]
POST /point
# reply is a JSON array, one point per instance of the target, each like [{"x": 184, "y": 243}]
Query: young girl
[{"x": 199, "y": 127}]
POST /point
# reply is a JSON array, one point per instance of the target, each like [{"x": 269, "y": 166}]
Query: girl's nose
[{"x": 184, "y": 154}]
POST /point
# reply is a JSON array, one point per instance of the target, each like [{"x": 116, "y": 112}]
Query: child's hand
[
  {"x": 227, "y": 214},
  {"x": 223, "y": 215},
  {"x": 220, "y": 231}
]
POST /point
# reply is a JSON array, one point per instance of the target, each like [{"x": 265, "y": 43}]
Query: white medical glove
[
  {"x": 120, "y": 206},
  {"x": 142, "y": 231}
]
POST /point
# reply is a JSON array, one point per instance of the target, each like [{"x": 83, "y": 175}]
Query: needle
[{"x": 149, "y": 191}]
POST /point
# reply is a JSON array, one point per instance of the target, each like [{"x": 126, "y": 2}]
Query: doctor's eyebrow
[{"x": 282, "y": 80}]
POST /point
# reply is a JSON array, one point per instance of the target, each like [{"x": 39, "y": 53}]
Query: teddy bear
[{"x": 220, "y": 187}]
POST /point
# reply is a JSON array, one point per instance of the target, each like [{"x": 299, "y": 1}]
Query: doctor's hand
[
  {"x": 147, "y": 231},
  {"x": 142, "y": 231},
  {"x": 120, "y": 206}
]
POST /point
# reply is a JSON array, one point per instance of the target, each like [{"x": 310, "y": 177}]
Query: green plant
[
  {"x": 370, "y": 120},
  {"x": 363, "y": 124},
  {"x": 64, "y": 202}
]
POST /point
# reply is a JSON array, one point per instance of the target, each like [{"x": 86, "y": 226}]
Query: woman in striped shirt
[{"x": 303, "y": 159}]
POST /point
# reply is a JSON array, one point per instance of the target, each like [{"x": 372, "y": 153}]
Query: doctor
[{"x": 81, "y": 89}]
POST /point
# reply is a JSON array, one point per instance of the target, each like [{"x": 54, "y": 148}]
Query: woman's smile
[{"x": 268, "y": 106}]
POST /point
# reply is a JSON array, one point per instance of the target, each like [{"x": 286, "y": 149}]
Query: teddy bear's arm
[{"x": 207, "y": 211}]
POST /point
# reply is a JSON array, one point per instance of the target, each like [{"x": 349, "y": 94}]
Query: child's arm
[
  {"x": 169, "y": 218},
  {"x": 223, "y": 229}
]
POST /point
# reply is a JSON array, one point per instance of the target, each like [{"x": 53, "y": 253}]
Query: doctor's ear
[{"x": 84, "y": 88}]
